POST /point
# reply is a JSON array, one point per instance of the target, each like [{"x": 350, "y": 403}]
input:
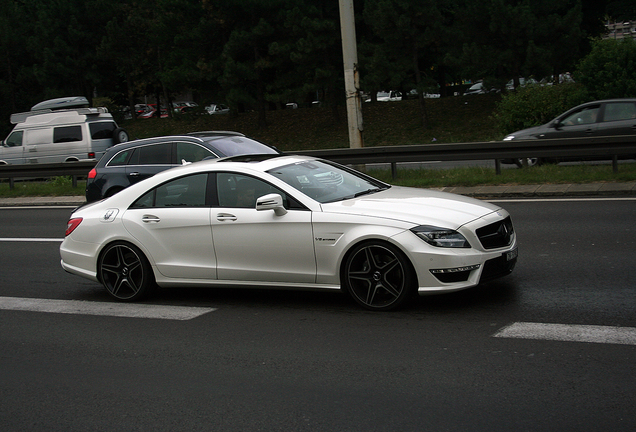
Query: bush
[
  {"x": 609, "y": 71},
  {"x": 535, "y": 105}
]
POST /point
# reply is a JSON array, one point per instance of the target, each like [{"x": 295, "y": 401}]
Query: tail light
[
  {"x": 91, "y": 155},
  {"x": 71, "y": 225},
  {"x": 92, "y": 173}
]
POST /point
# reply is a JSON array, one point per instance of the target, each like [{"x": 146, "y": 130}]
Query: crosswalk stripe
[
  {"x": 569, "y": 333},
  {"x": 127, "y": 310}
]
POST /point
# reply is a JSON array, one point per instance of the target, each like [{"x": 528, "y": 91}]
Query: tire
[
  {"x": 378, "y": 276},
  {"x": 531, "y": 162},
  {"x": 120, "y": 136},
  {"x": 125, "y": 272}
]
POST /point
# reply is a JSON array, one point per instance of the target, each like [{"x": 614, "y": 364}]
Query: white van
[{"x": 60, "y": 130}]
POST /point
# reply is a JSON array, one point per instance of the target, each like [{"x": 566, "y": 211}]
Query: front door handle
[{"x": 221, "y": 217}]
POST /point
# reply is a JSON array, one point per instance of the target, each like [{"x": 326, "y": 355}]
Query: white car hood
[{"x": 417, "y": 206}]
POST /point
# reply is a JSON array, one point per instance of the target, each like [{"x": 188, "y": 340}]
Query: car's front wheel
[
  {"x": 125, "y": 272},
  {"x": 378, "y": 276}
]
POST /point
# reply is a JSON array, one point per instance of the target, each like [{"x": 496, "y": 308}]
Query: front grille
[{"x": 496, "y": 235}]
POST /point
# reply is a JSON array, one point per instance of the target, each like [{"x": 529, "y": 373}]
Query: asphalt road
[{"x": 299, "y": 361}]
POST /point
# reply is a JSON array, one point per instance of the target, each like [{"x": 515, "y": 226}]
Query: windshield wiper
[{"x": 369, "y": 191}]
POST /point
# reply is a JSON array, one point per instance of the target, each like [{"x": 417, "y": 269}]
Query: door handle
[
  {"x": 134, "y": 174},
  {"x": 221, "y": 217},
  {"x": 150, "y": 219}
]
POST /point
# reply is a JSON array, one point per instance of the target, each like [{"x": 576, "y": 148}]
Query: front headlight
[
  {"x": 509, "y": 138},
  {"x": 441, "y": 237}
]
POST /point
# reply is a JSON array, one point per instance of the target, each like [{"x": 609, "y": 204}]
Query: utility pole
[{"x": 351, "y": 73}]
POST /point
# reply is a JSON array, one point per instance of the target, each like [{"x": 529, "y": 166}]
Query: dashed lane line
[
  {"x": 569, "y": 333},
  {"x": 126, "y": 310},
  {"x": 6, "y": 239}
]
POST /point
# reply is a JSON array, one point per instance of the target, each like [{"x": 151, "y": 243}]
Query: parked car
[
  {"x": 599, "y": 118},
  {"x": 510, "y": 86},
  {"x": 479, "y": 88},
  {"x": 287, "y": 222},
  {"x": 178, "y": 106},
  {"x": 217, "y": 109},
  {"x": 126, "y": 164},
  {"x": 60, "y": 130}
]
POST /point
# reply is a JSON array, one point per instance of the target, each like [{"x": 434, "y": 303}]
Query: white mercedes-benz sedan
[{"x": 287, "y": 222}]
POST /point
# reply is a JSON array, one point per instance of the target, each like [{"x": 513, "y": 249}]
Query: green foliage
[
  {"x": 535, "y": 105},
  {"x": 609, "y": 71}
]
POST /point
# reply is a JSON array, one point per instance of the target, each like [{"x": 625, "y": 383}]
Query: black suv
[{"x": 125, "y": 164}]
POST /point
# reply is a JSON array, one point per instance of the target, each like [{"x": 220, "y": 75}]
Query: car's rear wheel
[
  {"x": 125, "y": 272},
  {"x": 530, "y": 162},
  {"x": 378, "y": 276}
]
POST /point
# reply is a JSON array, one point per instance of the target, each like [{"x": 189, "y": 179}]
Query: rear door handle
[{"x": 150, "y": 219}]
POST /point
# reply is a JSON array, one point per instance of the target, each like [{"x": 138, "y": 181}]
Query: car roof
[{"x": 194, "y": 137}]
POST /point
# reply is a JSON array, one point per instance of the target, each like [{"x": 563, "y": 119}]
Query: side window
[
  {"x": 619, "y": 111},
  {"x": 584, "y": 116},
  {"x": 15, "y": 139},
  {"x": 189, "y": 191},
  {"x": 120, "y": 158},
  {"x": 155, "y": 154},
  {"x": 101, "y": 130},
  {"x": 240, "y": 191},
  {"x": 67, "y": 134},
  {"x": 189, "y": 152}
]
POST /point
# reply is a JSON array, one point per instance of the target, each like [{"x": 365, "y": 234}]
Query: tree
[
  {"x": 609, "y": 71},
  {"x": 521, "y": 38},
  {"x": 411, "y": 38}
]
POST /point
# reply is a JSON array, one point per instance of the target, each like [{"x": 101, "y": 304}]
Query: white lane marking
[
  {"x": 5, "y": 239},
  {"x": 570, "y": 333},
  {"x": 558, "y": 200},
  {"x": 126, "y": 310}
]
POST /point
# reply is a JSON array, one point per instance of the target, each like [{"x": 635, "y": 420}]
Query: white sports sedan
[{"x": 287, "y": 222}]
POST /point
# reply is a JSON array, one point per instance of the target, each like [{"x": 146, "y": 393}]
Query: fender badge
[{"x": 110, "y": 215}]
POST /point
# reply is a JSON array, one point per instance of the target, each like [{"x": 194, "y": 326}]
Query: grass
[
  {"x": 479, "y": 176},
  {"x": 452, "y": 119}
]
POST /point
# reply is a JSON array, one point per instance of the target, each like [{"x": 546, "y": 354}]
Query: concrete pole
[{"x": 351, "y": 74}]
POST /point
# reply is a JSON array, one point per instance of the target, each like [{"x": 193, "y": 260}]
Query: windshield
[{"x": 326, "y": 182}]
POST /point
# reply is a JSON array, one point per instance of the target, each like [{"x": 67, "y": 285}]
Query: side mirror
[
  {"x": 556, "y": 124},
  {"x": 271, "y": 202}
]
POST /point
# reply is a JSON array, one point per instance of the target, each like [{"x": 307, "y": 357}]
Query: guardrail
[{"x": 610, "y": 148}]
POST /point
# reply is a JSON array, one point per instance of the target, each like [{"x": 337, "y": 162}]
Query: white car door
[
  {"x": 12, "y": 150},
  {"x": 253, "y": 245},
  {"x": 173, "y": 223}
]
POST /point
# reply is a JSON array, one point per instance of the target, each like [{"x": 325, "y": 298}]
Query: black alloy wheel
[
  {"x": 125, "y": 272},
  {"x": 378, "y": 276}
]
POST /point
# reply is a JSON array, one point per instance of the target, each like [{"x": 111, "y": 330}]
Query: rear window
[
  {"x": 239, "y": 146},
  {"x": 102, "y": 130},
  {"x": 67, "y": 134},
  {"x": 155, "y": 154},
  {"x": 620, "y": 111}
]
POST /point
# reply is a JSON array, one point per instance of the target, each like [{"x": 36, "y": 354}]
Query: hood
[
  {"x": 532, "y": 132},
  {"x": 416, "y": 206}
]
